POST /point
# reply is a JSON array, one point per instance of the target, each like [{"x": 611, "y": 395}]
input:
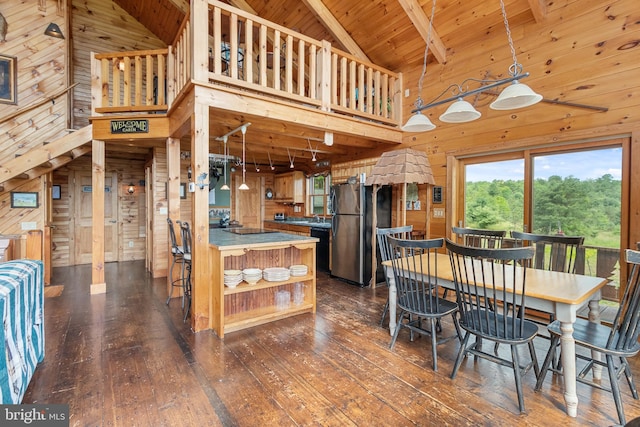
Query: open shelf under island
[{"x": 248, "y": 305}]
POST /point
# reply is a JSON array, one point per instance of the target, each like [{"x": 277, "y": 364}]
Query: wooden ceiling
[{"x": 390, "y": 33}]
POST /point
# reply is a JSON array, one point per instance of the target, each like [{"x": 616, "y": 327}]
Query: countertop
[
  {"x": 304, "y": 223},
  {"x": 219, "y": 237}
]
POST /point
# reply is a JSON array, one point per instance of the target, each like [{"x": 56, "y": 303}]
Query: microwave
[{"x": 279, "y": 216}]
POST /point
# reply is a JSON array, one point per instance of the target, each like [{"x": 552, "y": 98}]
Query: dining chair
[
  {"x": 617, "y": 342},
  {"x": 185, "y": 232},
  {"x": 486, "y": 281},
  {"x": 386, "y": 254},
  {"x": 479, "y": 238},
  {"x": 416, "y": 275},
  {"x": 177, "y": 258}
]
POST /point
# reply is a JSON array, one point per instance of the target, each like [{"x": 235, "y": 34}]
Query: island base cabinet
[{"x": 249, "y": 305}]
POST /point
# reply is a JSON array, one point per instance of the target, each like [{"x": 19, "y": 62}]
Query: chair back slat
[
  {"x": 626, "y": 325},
  {"x": 553, "y": 253},
  {"x": 479, "y": 238},
  {"x": 416, "y": 273},
  {"x": 185, "y": 233},
  {"x": 382, "y": 234},
  {"x": 487, "y": 281},
  {"x": 172, "y": 235}
]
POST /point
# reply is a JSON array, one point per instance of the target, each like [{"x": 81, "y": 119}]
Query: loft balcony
[{"x": 227, "y": 49}]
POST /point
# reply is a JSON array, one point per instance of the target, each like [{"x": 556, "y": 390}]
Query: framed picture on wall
[
  {"x": 56, "y": 192},
  {"x": 24, "y": 199},
  {"x": 8, "y": 80}
]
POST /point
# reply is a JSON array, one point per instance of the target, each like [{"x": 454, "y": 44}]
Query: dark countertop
[
  {"x": 221, "y": 238},
  {"x": 308, "y": 223}
]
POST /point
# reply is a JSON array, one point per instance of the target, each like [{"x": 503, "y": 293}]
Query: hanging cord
[
  {"x": 313, "y": 152},
  {"x": 515, "y": 68},
  {"x": 291, "y": 159},
  {"x": 270, "y": 162},
  {"x": 426, "y": 54}
]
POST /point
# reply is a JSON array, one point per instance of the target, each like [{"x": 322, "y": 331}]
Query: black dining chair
[
  {"x": 185, "y": 232},
  {"x": 177, "y": 255},
  {"x": 617, "y": 342},
  {"x": 486, "y": 281},
  {"x": 479, "y": 238},
  {"x": 386, "y": 254},
  {"x": 416, "y": 275}
]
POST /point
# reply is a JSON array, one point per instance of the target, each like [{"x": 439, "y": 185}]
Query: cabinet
[
  {"x": 248, "y": 305},
  {"x": 289, "y": 187}
]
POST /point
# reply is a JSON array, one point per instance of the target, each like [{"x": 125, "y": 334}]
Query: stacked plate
[
  {"x": 276, "y": 274},
  {"x": 251, "y": 275},
  {"x": 232, "y": 278},
  {"x": 298, "y": 270}
]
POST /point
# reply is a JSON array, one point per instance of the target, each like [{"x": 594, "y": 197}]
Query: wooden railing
[
  {"x": 129, "y": 81},
  {"x": 244, "y": 51}
]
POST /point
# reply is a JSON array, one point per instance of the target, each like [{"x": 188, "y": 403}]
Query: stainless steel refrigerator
[{"x": 352, "y": 222}]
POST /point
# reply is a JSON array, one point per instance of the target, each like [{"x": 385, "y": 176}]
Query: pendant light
[
  {"x": 244, "y": 185},
  {"x": 270, "y": 162},
  {"x": 225, "y": 186},
  {"x": 460, "y": 112}
]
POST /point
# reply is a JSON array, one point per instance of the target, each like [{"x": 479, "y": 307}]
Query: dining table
[{"x": 560, "y": 293}]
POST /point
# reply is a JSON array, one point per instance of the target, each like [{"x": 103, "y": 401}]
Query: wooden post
[
  {"x": 173, "y": 197},
  {"x": 98, "y": 285},
  {"x": 374, "y": 222}
]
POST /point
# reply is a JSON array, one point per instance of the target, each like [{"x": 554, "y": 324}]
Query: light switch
[{"x": 438, "y": 212}]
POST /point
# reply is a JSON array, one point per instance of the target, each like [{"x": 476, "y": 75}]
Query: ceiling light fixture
[
  {"x": 225, "y": 186},
  {"x": 255, "y": 164},
  {"x": 313, "y": 152},
  {"x": 244, "y": 185},
  {"x": 291, "y": 159},
  {"x": 131, "y": 189},
  {"x": 270, "y": 162},
  {"x": 517, "y": 95}
]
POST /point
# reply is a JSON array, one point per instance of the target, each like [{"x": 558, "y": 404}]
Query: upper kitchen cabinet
[{"x": 289, "y": 187}]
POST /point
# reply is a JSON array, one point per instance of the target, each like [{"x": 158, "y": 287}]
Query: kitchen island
[{"x": 248, "y": 305}]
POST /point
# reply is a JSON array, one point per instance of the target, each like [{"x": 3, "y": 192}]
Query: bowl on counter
[{"x": 251, "y": 275}]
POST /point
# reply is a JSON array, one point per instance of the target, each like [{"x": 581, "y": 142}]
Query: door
[
  {"x": 347, "y": 199},
  {"x": 84, "y": 213}
]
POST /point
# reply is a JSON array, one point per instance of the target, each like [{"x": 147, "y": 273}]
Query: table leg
[
  {"x": 594, "y": 316},
  {"x": 393, "y": 298},
  {"x": 568, "y": 351}
]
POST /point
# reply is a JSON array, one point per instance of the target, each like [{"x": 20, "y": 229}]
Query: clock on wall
[{"x": 268, "y": 194}]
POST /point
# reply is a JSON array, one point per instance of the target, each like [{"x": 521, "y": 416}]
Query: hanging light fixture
[
  {"x": 517, "y": 95},
  {"x": 53, "y": 31},
  {"x": 244, "y": 185},
  {"x": 419, "y": 122},
  {"x": 291, "y": 159},
  {"x": 255, "y": 164},
  {"x": 270, "y": 162},
  {"x": 225, "y": 186}
]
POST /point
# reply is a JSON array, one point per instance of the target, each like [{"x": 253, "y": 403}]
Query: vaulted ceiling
[{"x": 390, "y": 33}]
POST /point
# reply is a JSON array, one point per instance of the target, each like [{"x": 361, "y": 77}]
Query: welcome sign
[{"x": 129, "y": 126}]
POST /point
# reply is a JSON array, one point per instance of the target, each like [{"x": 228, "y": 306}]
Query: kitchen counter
[
  {"x": 247, "y": 305},
  {"x": 304, "y": 223}
]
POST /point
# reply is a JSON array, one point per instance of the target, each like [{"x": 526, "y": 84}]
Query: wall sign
[
  {"x": 8, "y": 80},
  {"x": 437, "y": 194},
  {"x": 129, "y": 126}
]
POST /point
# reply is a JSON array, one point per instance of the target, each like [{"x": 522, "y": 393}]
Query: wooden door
[
  {"x": 248, "y": 206},
  {"x": 83, "y": 217}
]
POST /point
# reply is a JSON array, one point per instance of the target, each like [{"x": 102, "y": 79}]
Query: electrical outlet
[
  {"x": 31, "y": 225},
  {"x": 130, "y": 243}
]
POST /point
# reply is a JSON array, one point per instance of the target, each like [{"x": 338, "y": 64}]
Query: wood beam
[
  {"x": 326, "y": 18},
  {"x": 420, "y": 20},
  {"x": 243, "y": 5},
  {"x": 539, "y": 10},
  {"x": 182, "y": 5},
  {"x": 98, "y": 284}
]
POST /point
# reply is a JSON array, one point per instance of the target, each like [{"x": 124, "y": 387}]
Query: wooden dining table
[{"x": 563, "y": 294}]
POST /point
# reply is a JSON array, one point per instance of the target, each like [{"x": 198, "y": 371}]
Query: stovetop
[{"x": 249, "y": 231}]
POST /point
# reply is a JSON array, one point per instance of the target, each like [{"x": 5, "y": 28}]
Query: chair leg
[
  {"x": 186, "y": 294},
  {"x": 171, "y": 278},
  {"x": 547, "y": 362},
  {"x": 615, "y": 388},
  {"x": 461, "y": 352},
  {"x": 516, "y": 372},
  {"x": 398, "y": 327},
  {"x": 629, "y": 375},
  {"x": 384, "y": 312},
  {"x": 434, "y": 344}
]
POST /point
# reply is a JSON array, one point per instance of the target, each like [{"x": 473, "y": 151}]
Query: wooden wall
[
  {"x": 100, "y": 26},
  {"x": 583, "y": 52}
]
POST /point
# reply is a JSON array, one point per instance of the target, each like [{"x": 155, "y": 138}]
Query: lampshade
[
  {"x": 54, "y": 31},
  {"x": 460, "y": 112},
  {"x": 517, "y": 95},
  {"x": 243, "y": 186},
  {"x": 225, "y": 187},
  {"x": 418, "y": 123}
]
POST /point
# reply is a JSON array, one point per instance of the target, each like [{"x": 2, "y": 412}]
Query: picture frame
[
  {"x": 183, "y": 190},
  {"x": 56, "y": 192},
  {"x": 437, "y": 194},
  {"x": 8, "y": 79},
  {"x": 24, "y": 199}
]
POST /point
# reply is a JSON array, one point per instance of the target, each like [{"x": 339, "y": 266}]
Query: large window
[{"x": 318, "y": 192}]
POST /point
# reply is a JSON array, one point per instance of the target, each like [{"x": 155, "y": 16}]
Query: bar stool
[
  {"x": 185, "y": 232},
  {"x": 178, "y": 258}
]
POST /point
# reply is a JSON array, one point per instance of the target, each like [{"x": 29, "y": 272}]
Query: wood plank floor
[{"x": 126, "y": 359}]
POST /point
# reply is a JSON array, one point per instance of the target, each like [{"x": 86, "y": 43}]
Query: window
[{"x": 318, "y": 192}]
